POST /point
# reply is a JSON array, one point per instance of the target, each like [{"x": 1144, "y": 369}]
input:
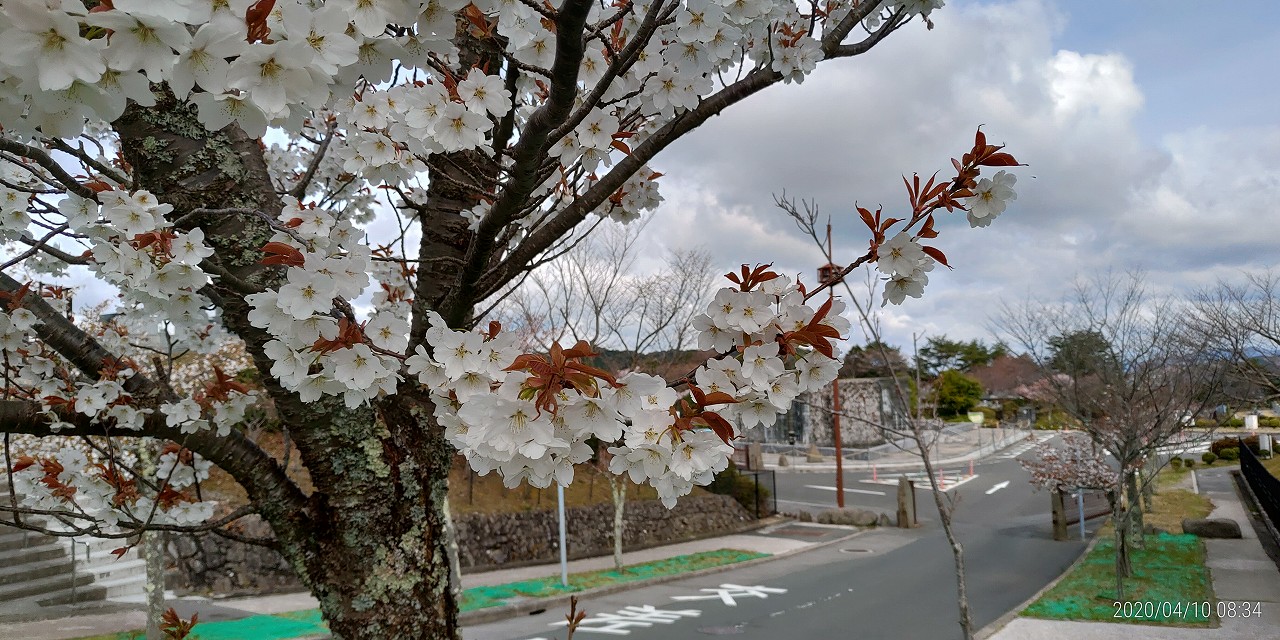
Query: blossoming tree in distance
[{"x": 218, "y": 163}]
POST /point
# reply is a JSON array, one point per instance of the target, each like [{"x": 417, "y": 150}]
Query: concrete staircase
[{"x": 39, "y": 570}]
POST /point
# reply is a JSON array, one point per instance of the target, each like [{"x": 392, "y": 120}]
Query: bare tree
[
  {"x": 1125, "y": 367},
  {"x": 1242, "y": 324},
  {"x": 806, "y": 216},
  {"x": 642, "y": 321}
]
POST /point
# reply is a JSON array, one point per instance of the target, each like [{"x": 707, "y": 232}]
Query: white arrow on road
[{"x": 999, "y": 486}]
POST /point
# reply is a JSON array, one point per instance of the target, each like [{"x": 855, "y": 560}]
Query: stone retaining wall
[
  {"x": 211, "y": 564},
  {"x": 489, "y": 540}
]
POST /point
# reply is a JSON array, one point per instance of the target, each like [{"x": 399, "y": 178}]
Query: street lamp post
[{"x": 827, "y": 274}]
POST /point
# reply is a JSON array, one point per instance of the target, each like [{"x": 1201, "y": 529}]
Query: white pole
[
  {"x": 564, "y": 555},
  {"x": 1080, "y": 505}
]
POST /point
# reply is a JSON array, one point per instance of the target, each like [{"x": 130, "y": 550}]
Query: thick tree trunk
[
  {"x": 1136, "y": 521},
  {"x": 1059, "y": 511},
  {"x": 371, "y": 541},
  {"x": 1119, "y": 520},
  {"x": 152, "y": 554},
  {"x": 382, "y": 567}
]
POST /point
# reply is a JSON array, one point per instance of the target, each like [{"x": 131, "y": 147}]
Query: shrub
[
  {"x": 741, "y": 487},
  {"x": 1189, "y": 463},
  {"x": 1009, "y": 410},
  {"x": 1231, "y": 454},
  {"x": 956, "y": 393},
  {"x": 1209, "y": 457},
  {"x": 1206, "y": 423},
  {"x": 1233, "y": 422},
  {"x": 1275, "y": 445},
  {"x": 1176, "y": 463},
  {"x": 1270, "y": 422},
  {"x": 1230, "y": 442}
]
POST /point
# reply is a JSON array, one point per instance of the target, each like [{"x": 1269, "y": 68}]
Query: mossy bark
[{"x": 370, "y": 541}]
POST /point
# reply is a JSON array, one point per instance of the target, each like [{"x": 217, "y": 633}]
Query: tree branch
[{"x": 42, "y": 158}]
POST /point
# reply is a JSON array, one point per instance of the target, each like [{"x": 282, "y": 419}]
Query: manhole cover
[
  {"x": 855, "y": 551},
  {"x": 723, "y": 631}
]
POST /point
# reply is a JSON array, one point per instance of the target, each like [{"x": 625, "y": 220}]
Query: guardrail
[
  {"x": 985, "y": 440},
  {"x": 1266, "y": 487},
  {"x": 766, "y": 505}
]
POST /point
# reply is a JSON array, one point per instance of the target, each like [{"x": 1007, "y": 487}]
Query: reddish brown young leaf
[
  {"x": 256, "y": 20},
  {"x": 936, "y": 254},
  {"x": 283, "y": 254},
  {"x": 999, "y": 160},
  {"x": 620, "y": 146},
  {"x": 22, "y": 462},
  {"x": 719, "y": 425},
  {"x": 872, "y": 222},
  {"x": 581, "y": 349},
  {"x": 926, "y": 230},
  {"x": 717, "y": 397},
  {"x": 884, "y": 226},
  {"x": 14, "y": 299}
]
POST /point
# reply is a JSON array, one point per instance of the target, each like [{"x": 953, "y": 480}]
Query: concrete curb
[
  {"x": 1009, "y": 616},
  {"x": 506, "y": 611}
]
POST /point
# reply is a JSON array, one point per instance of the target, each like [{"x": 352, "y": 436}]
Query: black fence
[
  {"x": 1264, "y": 485},
  {"x": 766, "y": 491}
]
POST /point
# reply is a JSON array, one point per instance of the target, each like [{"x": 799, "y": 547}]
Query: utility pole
[{"x": 827, "y": 275}]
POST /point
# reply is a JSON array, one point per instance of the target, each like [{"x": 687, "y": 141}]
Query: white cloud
[{"x": 1093, "y": 197}]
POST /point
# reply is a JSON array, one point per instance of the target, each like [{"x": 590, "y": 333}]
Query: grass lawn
[
  {"x": 1273, "y": 465},
  {"x": 284, "y": 626},
  {"x": 1170, "y": 569}
]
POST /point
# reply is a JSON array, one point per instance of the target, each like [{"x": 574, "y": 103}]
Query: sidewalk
[
  {"x": 777, "y": 538},
  {"x": 1241, "y": 572},
  {"x": 950, "y": 453}
]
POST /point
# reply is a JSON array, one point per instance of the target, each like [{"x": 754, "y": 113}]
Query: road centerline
[{"x": 846, "y": 489}]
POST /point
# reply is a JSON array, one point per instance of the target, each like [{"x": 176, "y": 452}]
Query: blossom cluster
[
  {"x": 499, "y": 411},
  {"x": 67, "y": 482},
  {"x": 1077, "y": 463},
  {"x": 389, "y": 71}
]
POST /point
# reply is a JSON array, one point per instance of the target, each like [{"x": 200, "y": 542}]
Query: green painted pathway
[{"x": 302, "y": 624}]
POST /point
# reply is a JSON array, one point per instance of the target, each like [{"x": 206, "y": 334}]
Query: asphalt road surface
[{"x": 885, "y": 583}]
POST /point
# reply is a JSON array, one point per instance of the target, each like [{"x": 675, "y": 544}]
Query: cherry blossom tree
[
  {"x": 1076, "y": 463},
  {"x": 644, "y": 321},
  {"x": 237, "y": 164}
]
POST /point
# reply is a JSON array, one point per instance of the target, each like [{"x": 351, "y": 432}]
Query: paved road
[
  {"x": 885, "y": 583},
  {"x": 815, "y": 491}
]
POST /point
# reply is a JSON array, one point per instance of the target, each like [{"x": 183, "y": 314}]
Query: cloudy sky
[{"x": 1149, "y": 128}]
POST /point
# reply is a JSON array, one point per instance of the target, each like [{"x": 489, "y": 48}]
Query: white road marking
[
  {"x": 728, "y": 592},
  {"x": 998, "y": 486},
  {"x": 617, "y": 623},
  {"x": 846, "y": 489}
]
